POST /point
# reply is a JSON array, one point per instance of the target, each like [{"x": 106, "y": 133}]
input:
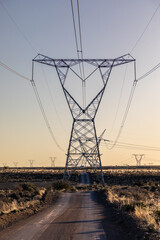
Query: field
[{"x": 133, "y": 193}]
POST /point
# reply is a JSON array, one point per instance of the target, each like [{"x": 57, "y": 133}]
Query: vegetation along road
[
  {"x": 82, "y": 211},
  {"x": 76, "y": 215}
]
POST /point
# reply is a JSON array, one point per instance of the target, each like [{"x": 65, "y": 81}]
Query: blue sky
[{"x": 110, "y": 28}]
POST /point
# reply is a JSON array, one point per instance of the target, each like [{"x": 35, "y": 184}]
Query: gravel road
[{"x": 76, "y": 216}]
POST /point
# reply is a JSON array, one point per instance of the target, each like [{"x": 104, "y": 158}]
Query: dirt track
[{"x": 76, "y": 216}]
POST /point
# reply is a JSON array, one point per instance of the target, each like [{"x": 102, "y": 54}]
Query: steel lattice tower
[
  {"x": 83, "y": 146},
  {"x": 138, "y": 158},
  {"x": 31, "y": 163},
  {"x": 53, "y": 159}
]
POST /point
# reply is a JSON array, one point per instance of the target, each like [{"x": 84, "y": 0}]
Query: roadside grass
[
  {"x": 136, "y": 192},
  {"x": 23, "y": 196}
]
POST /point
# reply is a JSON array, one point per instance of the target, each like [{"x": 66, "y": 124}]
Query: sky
[{"x": 110, "y": 28}]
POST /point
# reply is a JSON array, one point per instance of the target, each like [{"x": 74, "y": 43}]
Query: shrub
[
  {"x": 141, "y": 204},
  {"x": 6, "y": 167},
  {"x": 14, "y": 211},
  {"x": 129, "y": 207},
  {"x": 153, "y": 188},
  {"x": 106, "y": 189},
  {"x": 26, "y": 194},
  {"x": 61, "y": 184},
  {"x": 157, "y": 214},
  {"x": 18, "y": 188},
  {"x": 15, "y": 195},
  {"x": 151, "y": 227},
  {"x": 29, "y": 187},
  {"x": 139, "y": 183},
  {"x": 2, "y": 196},
  {"x": 1, "y": 204},
  {"x": 27, "y": 190},
  {"x": 73, "y": 189}
]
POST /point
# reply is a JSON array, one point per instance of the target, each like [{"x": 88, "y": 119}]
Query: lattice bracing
[{"x": 83, "y": 149}]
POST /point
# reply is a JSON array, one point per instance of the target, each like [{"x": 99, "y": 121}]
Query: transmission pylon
[
  {"x": 53, "y": 159},
  {"x": 31, "y": 163},
  {"x": 138, "y": 158},
  {"x": 83, "y": 144},
  {"x": 15, "y": 164}
]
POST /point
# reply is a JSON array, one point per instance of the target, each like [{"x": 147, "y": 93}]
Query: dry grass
[
  {"x": 138, "y": 193},
  {"x": 40, "y": 177},
  {"x": 23, "y": 196},
  {"x": 143, "y": 206}
]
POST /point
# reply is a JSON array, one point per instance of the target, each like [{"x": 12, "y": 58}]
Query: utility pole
[
  {"x": 138, "y": 158},
  {"x": 83, "y": 148},
  {"x": 31, "y": 163},
  {"x": 53, "y": 159}
]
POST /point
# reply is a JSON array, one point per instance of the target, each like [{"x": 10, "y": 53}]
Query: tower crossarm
[
  {"x": 63, "y": 63},
  {"x": 62, "y": 67},
  {"x": 83, "y": 146}
]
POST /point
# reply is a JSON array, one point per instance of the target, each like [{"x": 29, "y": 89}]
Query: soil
[{"x": 11, "y": 218}]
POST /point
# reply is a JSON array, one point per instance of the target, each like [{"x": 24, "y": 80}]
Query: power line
[
  {"x": 158, "y": 65},
  {"x": 30, "y": 44},
  {"x": 149, "y": 72},
  {"x": 51, "y": 97},
  {"x": 132, "y": 146},
  {"x": 137, "y": 145},
  {"x": 75, "y": 34},
  {"x": 80, "y": 34},
  {"x": 119, "y": 100},
  {"x": 42, "y": 109},
  {"x": 13, "y": 71},
  {"x": 18, "y": 28},
  {"x": 22, "y": 76},
  {"x": 44, "y": 114},
  {"x": 145, "y": 28},
  {"x": 79, "y": 49},
  {"x": 126, "y": 110},
  {"x": 150, "y": 159},
  {"x": 80, "y": 31},
  {"x": 37, "y": 97}
]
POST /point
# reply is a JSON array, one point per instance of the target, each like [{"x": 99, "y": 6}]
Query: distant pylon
[
  {"x": 138, "y": 158},
  {"x": 15, "y": 164},
  {"x": 150, "y": 163},
  {"x": 53, "y": 159},
  {"x": 31, "y": 162}
]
